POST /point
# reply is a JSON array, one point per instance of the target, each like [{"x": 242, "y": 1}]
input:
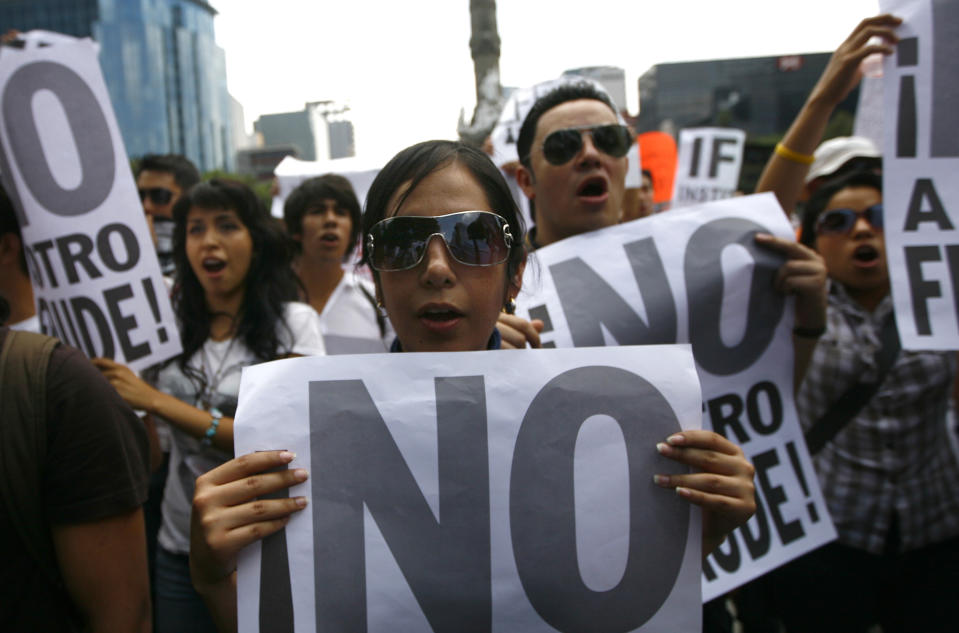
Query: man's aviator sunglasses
[
  {"x": 839, "y": 221},
  {"x": 562, "y": 146},
  {"x": 473, "y": 238},
  {"x": 158, "y": 195}
]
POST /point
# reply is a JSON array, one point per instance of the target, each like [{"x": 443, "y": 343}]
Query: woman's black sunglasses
[
  {"x": 474, "y": 238},
  {"x": 838, "y": 221},
  {"x": 562, "y": 145}
]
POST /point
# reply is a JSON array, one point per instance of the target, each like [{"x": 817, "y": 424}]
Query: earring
[{"x": 510, "y": 307}]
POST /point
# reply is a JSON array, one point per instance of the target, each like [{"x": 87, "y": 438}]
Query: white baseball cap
[{"x": 836, "y": 152}]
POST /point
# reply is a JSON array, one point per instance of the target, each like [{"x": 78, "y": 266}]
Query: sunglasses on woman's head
[
  {"x": 562, "y": 145},
  {"x": 158, "y": 195},
  {"x": 473, "y": 238},
  {"x": 838, "y": 221}
]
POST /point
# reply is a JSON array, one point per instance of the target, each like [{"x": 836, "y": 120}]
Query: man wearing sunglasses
[
  {"x": 572, "y": 152},
  {"x": 160, "y": 181}
]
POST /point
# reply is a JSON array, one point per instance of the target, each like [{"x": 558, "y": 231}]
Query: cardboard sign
[
  {"x": 476, "y": 491},
  {"x": 94, "y": 269},
  {"x": 697, "y": 276},
  {"x": 710, "y": 159},
  {"x": 920, "y": 163}
]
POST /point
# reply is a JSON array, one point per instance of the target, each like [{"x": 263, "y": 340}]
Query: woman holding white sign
[
  {"x": 441, "y": 295},
  {"x": 234, "y": 297}
]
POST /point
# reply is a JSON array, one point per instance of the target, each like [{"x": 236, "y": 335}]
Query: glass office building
[
  {"x": 164, "y": 71},
  {"x": 761, "y": 95}
]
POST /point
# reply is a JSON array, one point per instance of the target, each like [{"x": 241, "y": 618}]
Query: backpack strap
[
  {"x": 852, "y": 401},
  {"x": 23, "y": 442}
]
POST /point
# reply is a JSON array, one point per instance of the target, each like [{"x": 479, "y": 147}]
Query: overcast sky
[{"x": 405, "y": 69}]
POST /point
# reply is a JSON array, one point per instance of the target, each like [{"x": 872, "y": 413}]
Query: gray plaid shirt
[{"x": 894, "y": 456}]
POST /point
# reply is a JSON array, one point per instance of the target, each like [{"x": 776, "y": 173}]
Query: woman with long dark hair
[
  {"x": 235, "y": 300},
  {"x": 441, "y": 294}
]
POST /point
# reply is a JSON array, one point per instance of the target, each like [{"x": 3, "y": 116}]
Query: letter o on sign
[
  {"x": 90, "y": 133},
  {"x": 705, "y": 296},
  {"x": 542, "y": 504}
]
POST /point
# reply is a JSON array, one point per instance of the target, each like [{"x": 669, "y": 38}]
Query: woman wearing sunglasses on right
[
  {"x": 889, "y": 478},
  {"x": 843, "y": 222},
  {"x": 441, "y": 294}
]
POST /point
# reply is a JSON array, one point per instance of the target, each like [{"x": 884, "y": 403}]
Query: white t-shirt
[
  {"x": 30, "y": 324},
  {"x": 349, "y": 320},
  {"x": 220, "y": 362}
]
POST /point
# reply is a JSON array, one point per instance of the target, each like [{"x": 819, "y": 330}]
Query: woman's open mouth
[
  {"x": 213, "y": 265},
  {"x": 439, "y": 318}
]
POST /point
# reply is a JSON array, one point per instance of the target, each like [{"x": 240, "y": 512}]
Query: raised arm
[{"x": 786, "y": 170}]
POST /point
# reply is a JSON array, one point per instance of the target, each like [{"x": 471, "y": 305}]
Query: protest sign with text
[
  {"x": 710, "y": 159},
  {"x": 920, "y": 163},
  {"x": 698, "y": 276},
  {"x": 476, "y": 491},
  {"x": 94, "y": 269}
]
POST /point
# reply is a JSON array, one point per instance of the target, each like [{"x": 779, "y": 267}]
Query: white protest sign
[
  {"x": 698, "y": 276},
  {"x": 920, "y": 164},
  {"x": 291, "y": 172},
  {"x": 94, "y": 269},
  {"x": 710, "y": 159},
  {"x": 475, "y": 491}
]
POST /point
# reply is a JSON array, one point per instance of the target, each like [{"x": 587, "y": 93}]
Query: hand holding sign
[
  {"x": 723, "y": 488},
  {"x": 802, "y": 274},
  {"x": 228, "y": 515},
  {"x": 517, "y": 331}
]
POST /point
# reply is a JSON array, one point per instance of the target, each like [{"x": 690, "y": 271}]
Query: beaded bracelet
[
  {"x": 214, "y": 425},
  {"x": 796, "y": 157}
]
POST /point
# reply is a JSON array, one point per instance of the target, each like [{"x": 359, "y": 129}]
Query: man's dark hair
[
  {"x": 184, "y": 172},
  {"x": 649, "y": 175},
  {"x": 10, "y": 224},
  {"x": 818, "y": 201},
  {"x": 553, "y": 98},
  {"x": 325, "y": 187}
]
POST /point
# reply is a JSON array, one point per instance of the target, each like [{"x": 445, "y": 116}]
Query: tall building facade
[
  {"x": 298, "y": 129},
  {"x": 320, "y": 131},
  {"x": 761, "y": 95},
  {"x": 165, "y": 74}
]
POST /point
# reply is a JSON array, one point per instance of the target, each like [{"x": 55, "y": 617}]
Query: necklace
[{"x": 213, "y": 382}]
